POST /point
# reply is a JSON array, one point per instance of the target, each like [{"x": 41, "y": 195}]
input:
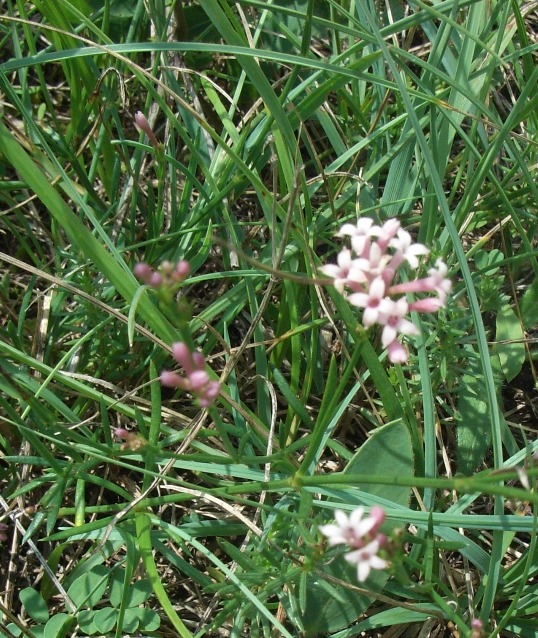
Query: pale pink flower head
[
  {"x": 167, "y": 275},
  {"x": 360, "y": 234},
  {"x": 386, "y": 232},
  {"x": 438, "y": 279},
  {"x": 397, "y": 352},
  {"x": 367, "y": 275},
  {"x": 196, "y": 379}
]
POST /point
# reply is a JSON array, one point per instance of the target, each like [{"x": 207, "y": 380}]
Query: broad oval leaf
[{"x": 34, "y": 605}]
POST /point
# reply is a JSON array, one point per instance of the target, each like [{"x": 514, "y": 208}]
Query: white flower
[
  {"x": 366, "y": 559},
  {"x": 407, "y": 249},
  {"x": 339, "y": 272},
  {"x": 360, "y": 234},
  {"x": 372, "y": 302},
  {"x": 350, "y": 530},
  {"x": 437, "y": 278},
  {"x": 394, "y": 321}
]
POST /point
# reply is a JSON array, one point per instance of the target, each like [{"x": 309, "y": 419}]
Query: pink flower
[
  {"x": 387, "y": 232},
  {"x": 360, "y": 234},
  {"x": 340, "y": 272},
  {"x": 397, "y": 352},
  {"x": 197, "y": 380},
  {"x": 375, "y": 265},
  {"x": 366, "y": 559},
  {"x": 437, "y": 277}
]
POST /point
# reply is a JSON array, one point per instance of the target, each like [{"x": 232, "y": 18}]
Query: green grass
[{"x": 278, "y": 123}]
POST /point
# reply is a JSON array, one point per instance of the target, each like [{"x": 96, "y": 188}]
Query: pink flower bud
[
  {"x": 397, "y": 352},
  {"x": 198, "y": 360},
  {"x": 182, "y": 355},
  {"x": 173, "y": 380},
  {"x": 198, "y": 380},
  {"x": 155, "y": 280},
  {"x": 143, "y": 272},
  {"x": 121, "y": 433},
  {"x": 183, "y": 269},
  {"x": 378, "y": 514},
  {"x": 142, "y": 122},
  {"x": 211, "y": 392},
  {"x": 431, "y": 304}
]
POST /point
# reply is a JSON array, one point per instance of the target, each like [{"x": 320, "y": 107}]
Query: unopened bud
[{"x": 142, "y": 122}]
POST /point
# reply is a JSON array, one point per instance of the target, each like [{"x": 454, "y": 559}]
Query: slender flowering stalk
[
  {"x": 366, "y": 276},
  {"x": 360, "y": 532},
  {"x": 196, "y": 379}
]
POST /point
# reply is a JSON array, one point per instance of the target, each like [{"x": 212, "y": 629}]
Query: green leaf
[
  {"x": 512, "y": 351},
  {"x": 34, "y": 605},
  {"x": 474, "y": 427},
  {"x": 131, "y": 621},
  {"x": 58, "y": 626},
  {"x": 105, "y": 619},
  {"x": 85, "y": 619},
  {"x": 135, "y": 594},
  {"x": 331, "y": 607},
  {"x": 88, "y": 589},
  {"x": 388, "y": 451},
  {"x": 529, "y": 306},
  {"x": 149, "y": 619}
]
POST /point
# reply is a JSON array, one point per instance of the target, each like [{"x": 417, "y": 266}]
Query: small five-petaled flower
[{"x": 360, "y": 532}]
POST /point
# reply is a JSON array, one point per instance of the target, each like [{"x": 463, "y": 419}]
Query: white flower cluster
[
  {"x": 361, "y": 534},
  {"x": 365, "y": 274}
]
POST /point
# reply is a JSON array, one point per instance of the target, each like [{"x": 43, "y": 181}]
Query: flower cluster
[
  {"x": 168, "y": 275},
  {"x": 366, "y": 275},
  {"x": 361, "y": 534},
  {"x": 196, "y": 379},
  {"x": 132, "y": 440}
]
